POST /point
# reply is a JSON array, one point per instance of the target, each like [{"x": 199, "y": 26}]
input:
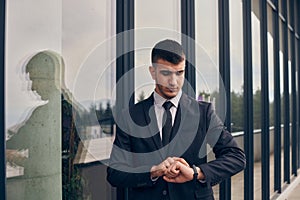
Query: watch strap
[{"x": 195, "y": 175}]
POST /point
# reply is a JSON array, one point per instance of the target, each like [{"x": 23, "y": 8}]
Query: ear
[{"x": 152, "y": 72}]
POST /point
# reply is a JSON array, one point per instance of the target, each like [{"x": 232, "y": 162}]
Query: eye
[
  {"x": 165, "y": 72},
  {"x": 179, "y": 73}
]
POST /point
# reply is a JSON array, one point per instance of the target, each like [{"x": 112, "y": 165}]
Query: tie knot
[{"x": 167, "y": 105}]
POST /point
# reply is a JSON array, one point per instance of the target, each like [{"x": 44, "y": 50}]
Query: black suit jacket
[{"x": 137, "y": 147}]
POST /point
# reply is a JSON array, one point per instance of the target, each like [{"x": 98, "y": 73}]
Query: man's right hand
[{"x": 162, "y": 169}]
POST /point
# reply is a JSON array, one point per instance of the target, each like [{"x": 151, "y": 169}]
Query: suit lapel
[
  {"x": 149, "y": 113},
  {"x": 179, "y": 120},
  {"x": 180, "y": 114}
]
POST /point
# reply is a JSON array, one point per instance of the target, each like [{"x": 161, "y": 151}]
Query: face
[
  {"x": 42, "y": 86},
  {"x": 168, "y": 77}
]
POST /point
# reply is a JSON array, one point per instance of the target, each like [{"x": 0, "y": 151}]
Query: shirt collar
[{"x": 159, "y": 100}]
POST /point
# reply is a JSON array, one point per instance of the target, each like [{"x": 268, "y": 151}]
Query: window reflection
[
  {"x": 74, "y": 29},
  {"x": 236, "y": 62},
  {"x": 153, "y": 23},
  {"x": 237, "y": 82},
  {"x": 88, "y": 47},
  {"x": 33, "y": 133},
  {"x": 34, "y": 144},
  {"x": 256, "y": 99},
  {"x": 207, "y": 58},
  {"x": 207, "y": 49},
  {"x": 271, "y": 95}
]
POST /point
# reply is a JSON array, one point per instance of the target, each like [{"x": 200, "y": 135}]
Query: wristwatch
[{"x": 195, "y": 176}]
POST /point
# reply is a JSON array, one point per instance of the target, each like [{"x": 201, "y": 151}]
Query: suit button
[{"x": 164, "y": 192}]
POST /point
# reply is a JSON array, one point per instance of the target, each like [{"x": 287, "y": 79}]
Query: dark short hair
[{"x": 168, "y": 50}]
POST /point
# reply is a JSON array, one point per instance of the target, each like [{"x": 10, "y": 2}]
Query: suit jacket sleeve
[
  {"x": 230, "y": 159},
  {"x": 122, "y": 172}
]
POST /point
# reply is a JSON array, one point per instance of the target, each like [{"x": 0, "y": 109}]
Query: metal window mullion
[
  {"x": 297, "y": 14},
  {"x": 248, "y": 102},
  {"x": 277, "y": 108},
  {"x": 286, "y": 95},
  {"x": 298, "y": 79},
  {"x": 293, "y": 90},
  {"x": 265, "y": 145},
  {"x": 224, "y": 68},
  {"x": 124, "y": 47},
  {"x": 188, "y": 43},
  {"x": 125, "y": 61},
  {"x": 2, "y": 102},
  {"x": 298, "y": 102}
]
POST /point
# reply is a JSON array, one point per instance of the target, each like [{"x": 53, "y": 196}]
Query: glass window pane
[
  {"x": 153, "y": 23},
  {"x": 88, "y": 47},
  {"x": 256, "y": 71},
  {"x": 60, "y": 90},
  {"x": 32, "y": 100},
  {"x": 272, "y": 92},
  {"x": 207, "y": 58},
  {"x": 237, "y": 63},
  {"x": 207, "y": 49},
  {"x": 256, "y": 62},
  {"x": 281, "y": 62},
  {"x": 237, "y": 82}
]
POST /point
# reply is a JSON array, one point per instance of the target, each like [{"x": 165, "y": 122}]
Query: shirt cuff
[
  {"x": 154, "y": 179},
  {"x": 202, "y": 181}
]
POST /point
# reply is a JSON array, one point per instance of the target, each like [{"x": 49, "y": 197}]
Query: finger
[
  {"x": 170, "y": 160},
  {"x": 183, "y": 161},
  {"x": 173, "y": 173},
  {"x": 166, "y": 164},
  {"x": 170, "y": 175},
  {"x": 173, "y": 170},
  {"x": 174, "y": 167},
  {"x": 170, "y": 180}
]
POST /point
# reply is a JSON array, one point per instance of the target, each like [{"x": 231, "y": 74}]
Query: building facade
[{"x": 243, "y": 55}]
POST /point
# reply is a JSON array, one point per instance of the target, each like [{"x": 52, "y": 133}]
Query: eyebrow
[{"x": 168, "y": 72}]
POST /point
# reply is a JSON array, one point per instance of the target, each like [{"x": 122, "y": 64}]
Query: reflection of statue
[{"x": 40, "y": 134}]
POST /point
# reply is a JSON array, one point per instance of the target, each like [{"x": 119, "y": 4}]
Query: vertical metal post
[
  {"x": 293, "y": 88},
  {"x": 2, "y": 102},
  {"x": 188, "y": 42},
  {"x": 277, "y": 108},
  {"x": 224, "y": 68},
  {"x": 286, "y": 94},
  {"x": 265, "y": 146},
  {"x": 298, "y": 77},
  {"x": 248, "y": 102},
  {"x": 125, "y": 45},
  {"x": 125, "y": 60}
]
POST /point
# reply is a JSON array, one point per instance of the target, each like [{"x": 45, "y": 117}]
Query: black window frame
[{"x": 2, "y": 102}]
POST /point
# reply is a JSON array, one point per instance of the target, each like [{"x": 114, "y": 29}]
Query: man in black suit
[{"x": 161, "y": 143}]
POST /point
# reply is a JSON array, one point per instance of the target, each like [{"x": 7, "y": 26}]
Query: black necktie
[{"x": 167, "y": 126}]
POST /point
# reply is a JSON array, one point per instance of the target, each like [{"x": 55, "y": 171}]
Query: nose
[{"x": 173, "y": 79}]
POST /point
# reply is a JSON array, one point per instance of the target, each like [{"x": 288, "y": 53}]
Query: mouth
[{"x": 172, "y": 89}]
